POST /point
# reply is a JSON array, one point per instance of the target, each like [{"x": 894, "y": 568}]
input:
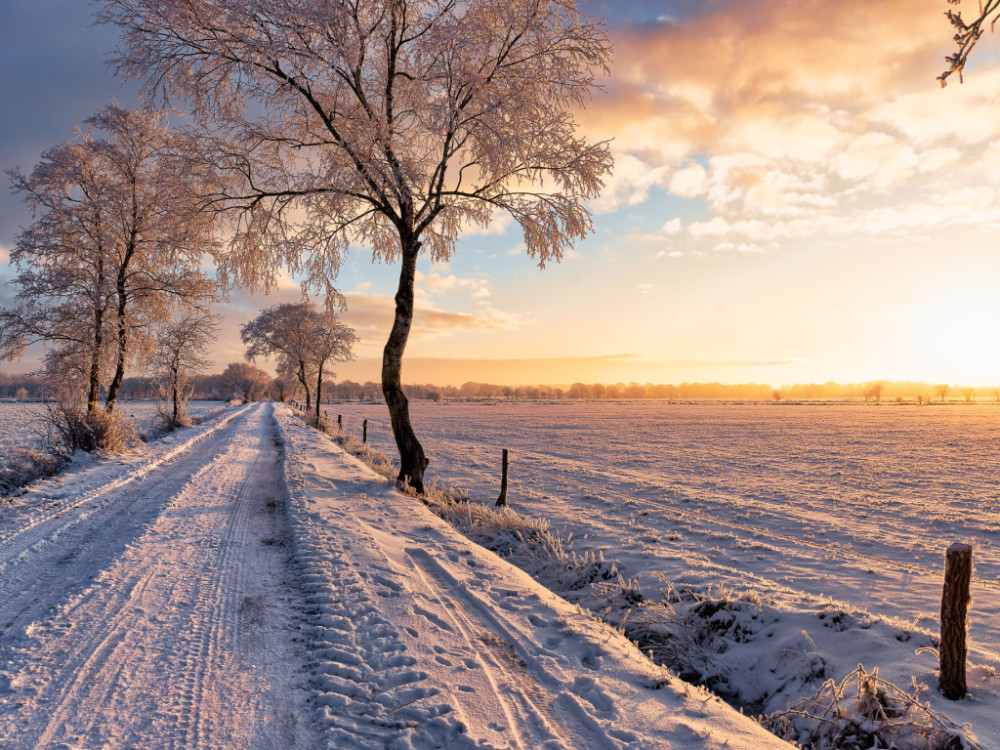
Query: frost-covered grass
[
  {"x": 765, "y": 551},
  {"x": 22, "y": 424}
]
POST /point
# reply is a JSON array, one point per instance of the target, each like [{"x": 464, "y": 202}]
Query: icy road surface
[
  {"x": 154, "y": 610},
  {"x": 247, "y": 585}
]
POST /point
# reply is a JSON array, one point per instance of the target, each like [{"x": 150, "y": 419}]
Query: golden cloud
[{"x": 797, "y": 115}]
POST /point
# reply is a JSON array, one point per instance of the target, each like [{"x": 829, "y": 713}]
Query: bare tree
[
  {"x": 331, "y": 342},
  {"x": 969, "y": 394},
  {"x": 159, "y": 236},
  {"x": 180, "y": 354},
  {"x": 244, "y": 381},
  {"x": 967, "y": 34},
  {"x": 116, "y": 240},
  {"x": 284, "y": 330},
  {"x": 391, "y": 123},
  {"x": 942, "y": 390},
  {"x": 874, "y": 391},
  {"x": 65, "y": 281}
]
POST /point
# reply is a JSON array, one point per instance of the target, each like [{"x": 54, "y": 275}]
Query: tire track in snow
[
  {"x": 155, "y": 654},
  {"x": 536, "y": 701},
  {"x": 44, "y": 563}
]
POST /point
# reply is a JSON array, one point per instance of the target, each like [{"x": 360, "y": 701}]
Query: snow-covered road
[
  {"x": 157, "y": 610},
  {"x": 246, "y": 584}
]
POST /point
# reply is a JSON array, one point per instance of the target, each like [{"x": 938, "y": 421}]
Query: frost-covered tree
[
  {"x": 116, "y": 241},
  {"x": 967, "y": 34},
  {"x": 284, "y": 331},
  {"x": 159, "y": 236},
  {"x": 332, "y": 342},
  {"x": 244, "y": 381},
  {"x": 305, "y": 339},
  {"x": 394, "y": 124},
  {"x": 64, "y": 277},
  {"x": 181, "y": 346}
]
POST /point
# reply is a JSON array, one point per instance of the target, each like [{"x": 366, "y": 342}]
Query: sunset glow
[{"x": 795, "y": 199}]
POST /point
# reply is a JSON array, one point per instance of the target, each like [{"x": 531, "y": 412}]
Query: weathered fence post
[
  {"x": 364, "y": 431},
  {"x": 502, "y": 500},
  {"x": 954, "y": 616},
  {"x": 340, "y": 422}
]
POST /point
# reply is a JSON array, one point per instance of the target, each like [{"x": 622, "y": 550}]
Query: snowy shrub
[
  {"x": 526, "y": 542},
  {"x": 163, "y": 421},
  {"x": 862, "y": 712},
  {"x": 687, "y": 632},
  {"x": 72, "y": 428},
  {"x": 21, "y": 467}
]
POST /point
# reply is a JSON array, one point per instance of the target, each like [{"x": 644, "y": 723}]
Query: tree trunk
[
  {"x": 412, "y": 460},
  {"x": 116, "y": 381},
  {"x": 176, "y": 401},
  {"x": 305, "y": 384},
  {"x": 94, "y": 386},
  {"x": 319, "y": 390}
]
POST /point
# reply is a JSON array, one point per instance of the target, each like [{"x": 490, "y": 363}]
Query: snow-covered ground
[
  {"x": 21, "y": 423},
  {"x": 149, "y": 602},
  {"x": 206, "y": 593},
  {"x": 834, "y": 517}
]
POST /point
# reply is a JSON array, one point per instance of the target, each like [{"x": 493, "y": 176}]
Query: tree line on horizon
[{"x": 247, "y": 382}]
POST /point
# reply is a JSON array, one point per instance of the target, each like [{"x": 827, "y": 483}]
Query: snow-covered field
[
  {"x": 22, "y": 423},
  {"x": 838, "y": 516},
  {"x": 205, "y": 593}
]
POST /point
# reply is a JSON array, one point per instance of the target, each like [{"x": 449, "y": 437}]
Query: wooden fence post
[
  {"x": 340, "y": 422},
  {"x": 502, "y": 500},
  {"x": 364, "y": 431},
  {"x": 954, "y": 620}
]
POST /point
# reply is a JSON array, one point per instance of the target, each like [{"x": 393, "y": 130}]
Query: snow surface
[
  {"x": 829, "y": 521},
  {"x": 21, "y": 423},
  {"x": 248, "y": 585}
]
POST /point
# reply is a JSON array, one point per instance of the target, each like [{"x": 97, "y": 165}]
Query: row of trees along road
[
  {"x": 116, "y": 244},
  {"x": 305, "y": 340},
  {"x": 390, "y": 124}
]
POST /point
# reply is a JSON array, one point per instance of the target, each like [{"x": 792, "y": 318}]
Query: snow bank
[{"x": 423, "y": 639}]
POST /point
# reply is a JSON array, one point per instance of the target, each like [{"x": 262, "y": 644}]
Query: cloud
[
  {"x": 797, "y": 115},
  {"x": 371, "y": 315}
]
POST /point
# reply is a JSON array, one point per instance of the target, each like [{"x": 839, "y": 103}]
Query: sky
[{"x": 795, "y": 199}]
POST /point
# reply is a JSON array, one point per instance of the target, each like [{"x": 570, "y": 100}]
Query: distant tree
[
  {"x": 22, "y": 394},
  {"x": 304, "y": 337},
  {"x": 635, "y": 391},
  {"x": 579, "y": 390},
  {"x": 180, "y": 353},
  {"x": 286, "y": 331},
  {"x": 331, "y": 341},
  {"x": 967, "y": 34},
  {"x": 244, "y": 381},
  {"x": 969, "y": 394},
  {"x": 996, "y": 394},
  {"x": 776, "y": 394},
  {"x": 942, "y": 390},
  {"x": 876, "y": 390},
  {"x": 433, "y": 396},
  {"x": 389, "y": 123}
]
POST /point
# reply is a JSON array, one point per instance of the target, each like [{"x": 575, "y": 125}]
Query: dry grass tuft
[{"x": 864, "y": 711}]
